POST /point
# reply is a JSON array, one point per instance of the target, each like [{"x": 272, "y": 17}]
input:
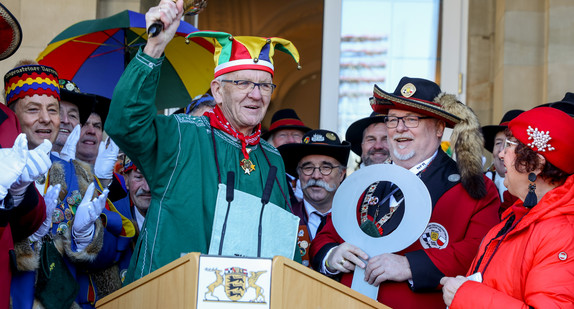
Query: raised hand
[
  {"x": 107, "y": 157},
  {"x": 12, "y": 163},
  {"x": 86, "y": 214},
  {"x": 37, "y": 164},
  {"x": 69, "y": 150}
]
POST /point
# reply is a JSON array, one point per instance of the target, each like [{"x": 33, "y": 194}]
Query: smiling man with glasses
[
  {"x": 185, "y": 158},
  {"x": 321, "y": 163},
  {"x": 464, "y": 202}
]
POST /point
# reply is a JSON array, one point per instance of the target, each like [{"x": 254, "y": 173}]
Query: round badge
[
  {"x": 57, "y": 215},
  {"x": 305, "y": 263},
  {"x": 62, "y": 228},
  {"x": 303, "y": 244},
  {"x": 408, "y": 90},
  {"x": 68, "y": 214},
  {"x": 454, "y": 177},
  {"x": 331, "y": 136},
  {"x": 562, "y": 256},
  {"x": 434, "y": 236}
]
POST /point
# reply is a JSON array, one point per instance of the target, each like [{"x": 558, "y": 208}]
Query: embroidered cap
[
  {"x": 245, "y": 52},
  {"x": 28, "y": 80},
  {"x": 547, "y": 131},
  {"x": 320, "y": 142}
]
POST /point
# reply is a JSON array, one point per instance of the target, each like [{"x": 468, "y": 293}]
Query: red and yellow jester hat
[
  {"x": 28, "y": 80},
  {"x": 245, "y": 52}
]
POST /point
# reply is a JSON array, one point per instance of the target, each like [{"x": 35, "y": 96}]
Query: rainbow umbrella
[{"x": 94, "y": 54}]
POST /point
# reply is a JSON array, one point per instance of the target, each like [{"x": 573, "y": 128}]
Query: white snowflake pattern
[{"x": 539, "y": 139}]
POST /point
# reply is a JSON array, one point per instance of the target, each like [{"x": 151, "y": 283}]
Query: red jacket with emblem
[
  {"x": 459, "y": 220},
  {"x": 533, "y": 265}
]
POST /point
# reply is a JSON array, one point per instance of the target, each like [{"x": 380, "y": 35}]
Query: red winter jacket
[{"x": 534, "y": 265}]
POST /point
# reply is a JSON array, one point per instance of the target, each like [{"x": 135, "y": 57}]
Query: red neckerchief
[{"x": 218, "y": 121}]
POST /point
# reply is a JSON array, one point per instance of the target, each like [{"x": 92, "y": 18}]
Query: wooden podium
[{"x": 292, "y": 286}]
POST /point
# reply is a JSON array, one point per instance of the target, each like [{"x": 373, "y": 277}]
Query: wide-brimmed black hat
[
  {"x": 70, "y": 92},
  {"x": 10, "y": 32},
  {"x": 354, "y": 134},
  {"x": 414, "y": 94},
  {"x": 566, "y": 104},
  {"x": 490, "y": 131},
  {"x": 285, "y": 119},
  {"x": 320, "y": 142},
  {"x": 101, "y": 107}
]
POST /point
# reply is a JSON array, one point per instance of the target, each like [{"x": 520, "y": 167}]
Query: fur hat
[
  {"x": 425, "y": 97},
  {"x": 321, "y": 142}
]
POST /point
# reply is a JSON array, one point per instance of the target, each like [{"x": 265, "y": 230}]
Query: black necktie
[{"x": 323, "y": 221}]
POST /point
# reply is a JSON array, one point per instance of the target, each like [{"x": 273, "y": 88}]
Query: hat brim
[
  {"x": 84, "y": 102},
  {"x": 383, "y": 101},
  {"x": 293, "y": 153},
  {"x": 102, "y": 107},
  {"x": 268, "y": 134},
  {"x": 11, "y": 33},
  {"x": 489, "y": 132},
  {"x": 354, "y": 134}
]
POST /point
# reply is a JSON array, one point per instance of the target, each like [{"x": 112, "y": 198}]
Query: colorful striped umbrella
[{"x": 94, "y": 54}]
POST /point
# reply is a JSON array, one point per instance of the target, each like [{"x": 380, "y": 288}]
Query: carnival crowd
[{"x": 82, "y": 215}]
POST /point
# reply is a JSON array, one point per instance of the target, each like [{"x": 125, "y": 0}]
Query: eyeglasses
[
  {"x": 409, "y": 121},
  {"x": 264, "y": 88},
  {"x": 509, "y": 143},
  {"x": 325, "y": 170}
]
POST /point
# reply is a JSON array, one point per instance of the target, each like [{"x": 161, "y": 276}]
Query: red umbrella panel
[{"x": 94, "y": 54}]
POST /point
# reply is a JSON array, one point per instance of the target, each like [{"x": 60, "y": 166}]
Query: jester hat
[{"x": 245, "y": 52}]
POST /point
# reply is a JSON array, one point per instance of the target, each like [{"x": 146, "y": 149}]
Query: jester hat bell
[{"x": 245, "y": 52}]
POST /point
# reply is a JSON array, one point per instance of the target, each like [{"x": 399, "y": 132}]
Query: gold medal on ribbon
[{"x": 247, "y": 166}]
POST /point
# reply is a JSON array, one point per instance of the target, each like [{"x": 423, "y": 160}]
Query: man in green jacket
[{"x": 184, "y": 158}]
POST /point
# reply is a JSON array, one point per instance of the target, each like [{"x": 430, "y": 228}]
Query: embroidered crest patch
[{"x": 434, "y": 236}]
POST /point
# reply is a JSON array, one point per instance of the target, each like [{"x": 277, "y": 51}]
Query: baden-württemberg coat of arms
[{"x": 236, "y": 281}]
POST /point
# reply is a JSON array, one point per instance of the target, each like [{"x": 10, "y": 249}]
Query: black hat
[
  {"x": 70, "y": 92},
  {"x": 285, "y": 119},
  {"x": 566, "y": 104},
  {"x": 321, "y": 142},
  {"x": 354, "y": 134},
  {"x": 489, "y": 132},
  {"x": 10, "y": 32},
  {"x": 101, "y": 106},
  {"x": 414, "y": 94}
]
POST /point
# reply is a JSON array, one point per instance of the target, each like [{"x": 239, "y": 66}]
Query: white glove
[
  {"x": 38, "y": 164},
  {"x": 12, "y": 163},
  {"x": 69, "y": 150},
  {"x": 107, "y": 157},
  {"x": 86, "y": 214},
  {"x": 51, "y": 199}
]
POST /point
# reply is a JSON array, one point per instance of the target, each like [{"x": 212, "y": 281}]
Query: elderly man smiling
[{"x": 184, "y": 158}]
